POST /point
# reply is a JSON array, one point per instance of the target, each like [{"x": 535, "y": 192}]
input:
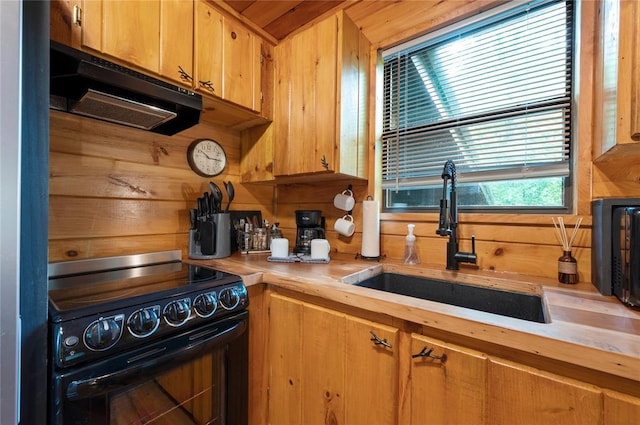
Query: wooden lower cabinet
[
  {"x": 621, "y": 409},
  {"x": 325, "y": 369},
  {"x": 521, "y": 395},
  {"x": 448, "y": 390}
]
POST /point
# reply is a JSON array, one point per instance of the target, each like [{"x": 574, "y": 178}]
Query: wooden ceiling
[
  {"x": 280, "y": 18},
  {"x": 383, "y": 22}
]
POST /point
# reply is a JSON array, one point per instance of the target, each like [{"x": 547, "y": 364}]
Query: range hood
[{"x": 86, "y": 85}]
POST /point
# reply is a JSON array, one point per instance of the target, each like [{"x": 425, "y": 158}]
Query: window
[{"x": 493, "y": 95}]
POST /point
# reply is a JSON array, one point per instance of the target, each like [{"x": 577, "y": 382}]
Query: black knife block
[{"x": 210, "y": 239}]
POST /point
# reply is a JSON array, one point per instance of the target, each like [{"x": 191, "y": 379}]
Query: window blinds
[{"x": 494, "y": 97}]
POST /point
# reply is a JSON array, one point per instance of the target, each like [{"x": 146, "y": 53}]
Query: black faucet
[{"x": 448, "y": 221}]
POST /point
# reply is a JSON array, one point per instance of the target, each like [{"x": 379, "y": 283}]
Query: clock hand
[{"x": 208, "y": 157}]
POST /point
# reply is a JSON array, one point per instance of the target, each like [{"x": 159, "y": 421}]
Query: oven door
[{"x": 197, "y": 377}]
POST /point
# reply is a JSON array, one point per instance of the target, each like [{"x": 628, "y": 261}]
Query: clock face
[{"x": 206, "y": 157}]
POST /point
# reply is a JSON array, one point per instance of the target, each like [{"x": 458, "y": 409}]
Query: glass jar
[{"x": 567, "y": 268}]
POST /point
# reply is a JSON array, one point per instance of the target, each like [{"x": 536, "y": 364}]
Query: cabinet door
[
  {"x": 371, "y": 373},
  {"x": 621, "y": 409},
  {"x": 307, "y": 100},
  {"x": 450, "y": 389},
  {"x": 324, "y": 368},
  {"x": 323, "y": 357},
  {"x": 241, "y": 60},
  {"x": 131, "y": 32},
  {"x": 285, "y": 360},
  {"x": 77, "y": 24},
  {"x": 208, "y": 47},
  {"x": 176, "y": 40},
  {"x": 536, "y": 397},
  {"x": 617, "y": 79}
]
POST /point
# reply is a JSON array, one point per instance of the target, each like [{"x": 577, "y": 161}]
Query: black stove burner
[{"x": 93, "y": 314}]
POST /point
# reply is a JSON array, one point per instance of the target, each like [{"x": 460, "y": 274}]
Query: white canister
[
  {"x": 279, "y": 248},
  {"x": 319, "y": 249}
]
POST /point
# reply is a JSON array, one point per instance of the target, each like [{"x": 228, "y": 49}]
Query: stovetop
[
  {"x": 89, "y": 291},
  {"x": 103, "y": 306}
]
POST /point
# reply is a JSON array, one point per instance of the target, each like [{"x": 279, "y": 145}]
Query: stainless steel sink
[{"x": 491, "y": 300}]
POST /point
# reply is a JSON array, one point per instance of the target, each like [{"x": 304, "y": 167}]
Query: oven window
[{"x": 187, "y": 395}]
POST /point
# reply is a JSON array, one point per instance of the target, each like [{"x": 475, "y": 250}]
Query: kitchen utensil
[
  {"x": 345, "y": 225},
  {"x": 193, "y": 217},
  {"x": 230, "y": 194},
  {"x": 216, "y": 192},
  {"x": 201, "y": 209},
  {"x": 207, "y": 204},
  {"x": 344, "y": 201}
]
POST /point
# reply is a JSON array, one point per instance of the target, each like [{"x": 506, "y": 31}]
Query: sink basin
[{"x": 506, "y": 303}]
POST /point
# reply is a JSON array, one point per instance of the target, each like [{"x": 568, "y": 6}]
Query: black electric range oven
[{"x": 146, "y": 339}]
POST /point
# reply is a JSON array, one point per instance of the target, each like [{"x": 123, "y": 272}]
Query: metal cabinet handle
[
  {"x": 208, "y": 85},
  {"x": 324, "y": 163},
  {"x": 427, "y": 352},
  {"x": 377, "y": 341},
  {"x": 184, "y": 74}
]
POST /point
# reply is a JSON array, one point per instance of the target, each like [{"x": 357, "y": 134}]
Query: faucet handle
[{"x": 468, "y": 257}]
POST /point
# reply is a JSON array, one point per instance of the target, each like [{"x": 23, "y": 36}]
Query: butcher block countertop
[{"x": 585, "y": 328}]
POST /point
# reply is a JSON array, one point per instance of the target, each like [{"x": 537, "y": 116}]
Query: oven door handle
[{"x": 143, "y": 368}]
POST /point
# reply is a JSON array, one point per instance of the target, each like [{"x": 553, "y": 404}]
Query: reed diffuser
[{"x": 567, "y": 264}]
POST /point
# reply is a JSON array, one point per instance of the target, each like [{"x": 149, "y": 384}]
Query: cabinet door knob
[{"x": 428, "y": 352}]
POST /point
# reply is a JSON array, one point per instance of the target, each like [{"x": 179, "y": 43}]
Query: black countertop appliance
[
  {"x": 615, "y": 248},
  {"x": 310, "y": 225}
]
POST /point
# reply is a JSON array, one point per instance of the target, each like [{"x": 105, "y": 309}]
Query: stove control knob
[
  {"x": 104, "y": 333},
  {"x": 205, "y": 304},
  {"x": 144, "y": 322},
  {"x": 229, "y": 298},
  {"x": 176, "y": 313}
]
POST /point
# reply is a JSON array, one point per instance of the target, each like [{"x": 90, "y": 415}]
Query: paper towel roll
[{"x": 370, "y": 229}]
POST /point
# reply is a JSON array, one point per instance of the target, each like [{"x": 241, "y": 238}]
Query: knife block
[{"x": 210, "y": 239}]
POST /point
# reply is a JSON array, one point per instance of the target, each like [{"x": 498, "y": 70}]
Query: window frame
[{"x": 569, "y": 187}]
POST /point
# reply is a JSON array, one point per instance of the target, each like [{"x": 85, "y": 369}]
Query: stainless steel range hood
[{"x": 90, "y": 86}]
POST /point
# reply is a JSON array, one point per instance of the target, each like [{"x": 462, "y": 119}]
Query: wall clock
[{"x": 206, "y": 157}]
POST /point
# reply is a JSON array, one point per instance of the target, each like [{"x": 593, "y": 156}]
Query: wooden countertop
[{"x": 585, "y": 328}]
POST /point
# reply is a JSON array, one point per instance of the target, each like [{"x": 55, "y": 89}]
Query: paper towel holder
[
  {"x": 362, "y": 257},
  {"x": 369, "y": 258}
]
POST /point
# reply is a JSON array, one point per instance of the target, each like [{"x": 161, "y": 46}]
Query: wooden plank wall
[{"x": 116, "y": 190}]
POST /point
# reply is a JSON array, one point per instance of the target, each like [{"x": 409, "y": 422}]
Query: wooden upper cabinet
[
  {"x": 241, "y": 61},
  {"x": 131, "y": 32},
  {"x": 208, "y": 48},
  {"x": 176, "y": 40},
  {"x": 228, "y": 58},
  {"x": 617, "y": 78},
  {"x": 321, "y": 97},
  {"x": 77, "y": 24}
]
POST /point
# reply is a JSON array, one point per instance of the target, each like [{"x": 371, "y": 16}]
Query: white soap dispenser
[{"x": 410, "y": 251}]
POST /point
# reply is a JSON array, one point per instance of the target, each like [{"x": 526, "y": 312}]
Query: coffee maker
[{"x": 310, "y": 225}]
